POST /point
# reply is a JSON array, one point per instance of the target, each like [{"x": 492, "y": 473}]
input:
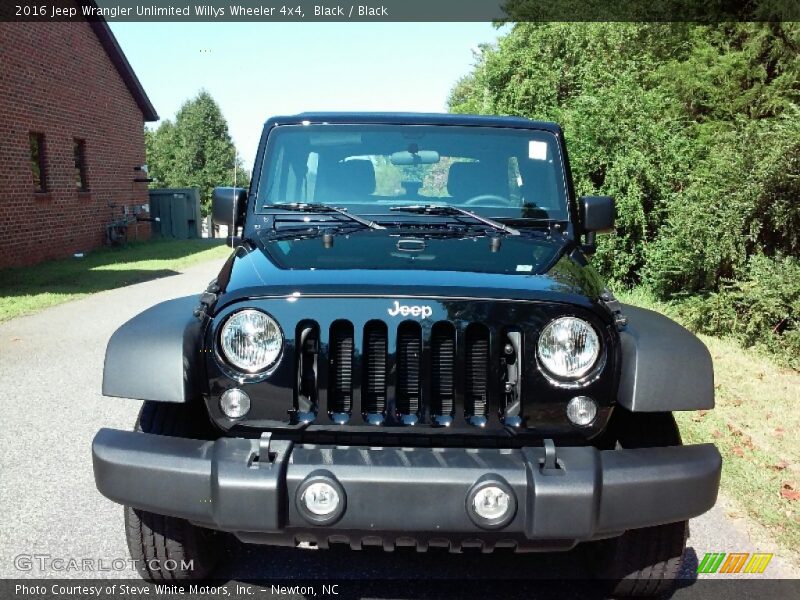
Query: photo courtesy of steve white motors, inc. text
[{"x": 123, "y": 589}]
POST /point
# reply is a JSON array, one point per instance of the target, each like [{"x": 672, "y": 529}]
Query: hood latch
[{"x": 613, "y": 305}]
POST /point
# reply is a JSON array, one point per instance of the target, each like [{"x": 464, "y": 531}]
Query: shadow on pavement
[
  {"x": 405, "y": 573},
  {"x": 689, "y": 570}
]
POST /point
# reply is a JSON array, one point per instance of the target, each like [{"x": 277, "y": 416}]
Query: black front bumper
[{"x": 250, "y": 487}]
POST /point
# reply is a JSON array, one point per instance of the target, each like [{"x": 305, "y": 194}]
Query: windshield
[{"x": 367, "y": 169}]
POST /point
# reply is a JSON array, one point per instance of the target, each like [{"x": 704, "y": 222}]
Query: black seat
[
  {"x": 466, "y": 180},
  {"x": 348, "y": 181}
]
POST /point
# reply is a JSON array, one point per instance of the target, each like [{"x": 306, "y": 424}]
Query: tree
[
  {"x": 694, "y": 130},
  {"x": 691, "y": 127},
  {"x": 195, "y": 150}
]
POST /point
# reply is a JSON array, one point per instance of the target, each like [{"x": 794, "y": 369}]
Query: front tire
[
  {"x": 167, "y": 548},
  {"x": 642, "y": 562}
]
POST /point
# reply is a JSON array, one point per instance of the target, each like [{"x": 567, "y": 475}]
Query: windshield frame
[{"x": 561, "y": 165}]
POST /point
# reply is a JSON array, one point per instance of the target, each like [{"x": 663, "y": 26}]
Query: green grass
[
  {"x": 755, "y": 425},
  {"x": 26, "y": 290}
]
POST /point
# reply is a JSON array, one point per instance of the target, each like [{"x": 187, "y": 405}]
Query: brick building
[{"x": 72, "y": 116}]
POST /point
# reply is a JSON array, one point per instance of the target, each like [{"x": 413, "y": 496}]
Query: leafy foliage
[
  {"x": 761, "y": 308},
  {"x": 695, "y": 130},
  {"x": 195, "y": 150}
]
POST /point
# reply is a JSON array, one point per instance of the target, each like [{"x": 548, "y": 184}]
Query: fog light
[
  {"x": 234, "y": 403},
  {"x": 581, "y": 410},
  {"x": 491, "y": 503},
  {"x": 321, "y": 499}
]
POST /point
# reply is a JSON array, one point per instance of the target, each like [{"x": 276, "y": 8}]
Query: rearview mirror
[
  {"x": 598, "y": 213},
  {"x": 421, "y": 157},
  {"x": 228, "y": 205}
]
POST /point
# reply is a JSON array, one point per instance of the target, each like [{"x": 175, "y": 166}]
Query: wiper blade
[
  {"x": 447, "y": 210},
  {"x": 315, "y": 207}
]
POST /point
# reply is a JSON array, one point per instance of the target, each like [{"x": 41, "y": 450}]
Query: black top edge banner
[{"x": 500, "y": 11}]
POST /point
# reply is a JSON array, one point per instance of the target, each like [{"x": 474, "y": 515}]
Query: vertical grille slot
[
  {"x": 443, "y": 362},
  {"x": 409, "y": 353},
  {"x": 476, "y": 362},
  {"x": 373, "y": 388},
  {"x": 307, "y": 349},
  {"x": 511, "y": 379},
  {"x": 340, "y": 396}
]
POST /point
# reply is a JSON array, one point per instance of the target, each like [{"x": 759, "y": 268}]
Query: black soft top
[{"x": 409, "y": 118}]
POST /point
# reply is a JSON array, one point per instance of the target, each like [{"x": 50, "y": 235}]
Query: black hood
[
  {"x": 389, "y": 250},
  {"x": 389, "y": 262}
]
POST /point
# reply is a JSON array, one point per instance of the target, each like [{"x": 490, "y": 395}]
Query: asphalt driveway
[{"x": 50, "y": 376}]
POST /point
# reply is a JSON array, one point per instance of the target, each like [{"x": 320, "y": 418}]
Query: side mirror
[
  {"x": 228, "y": 206},
  {"x": 598, "y": 213},
  {"x": 597, "y": 216}
]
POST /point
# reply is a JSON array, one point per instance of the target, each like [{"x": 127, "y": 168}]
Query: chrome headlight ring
[
  {"x": 250, "y": 341},
  {"x": 569, "y": 351}
]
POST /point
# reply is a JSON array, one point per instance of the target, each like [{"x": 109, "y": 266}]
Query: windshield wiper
[
  {"x": 315, "y": 207},
  {"x": 447, "y": 210}
]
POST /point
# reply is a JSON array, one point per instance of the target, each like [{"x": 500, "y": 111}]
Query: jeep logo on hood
[{"x": 414, "y": 311}]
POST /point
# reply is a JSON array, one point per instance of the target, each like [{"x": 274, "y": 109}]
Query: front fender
[
  {"x": 156, "y": 355},
  {"x": 664, "y": 366}
]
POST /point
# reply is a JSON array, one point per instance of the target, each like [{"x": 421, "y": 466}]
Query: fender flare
[
  {"x": 156, "y": 355},
  {"x": 664, "y": 366}
]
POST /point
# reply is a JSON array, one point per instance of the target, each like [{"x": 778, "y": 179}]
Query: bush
[
  {"x": 760, "y": 308},
  {"x": 740, "y": 200}
]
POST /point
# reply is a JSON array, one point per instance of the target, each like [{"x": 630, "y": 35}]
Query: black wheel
[
  {"x": 167, "y": 548},
  {"x": 642, "y": 562}
]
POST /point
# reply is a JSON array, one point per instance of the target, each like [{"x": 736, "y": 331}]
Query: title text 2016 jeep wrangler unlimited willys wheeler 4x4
[{"x": 408, "y": 347}]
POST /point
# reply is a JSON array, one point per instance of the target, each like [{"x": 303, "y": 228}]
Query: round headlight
[
  {"x": 251, "y": 340},
  {"x": 568, "y": 348}
]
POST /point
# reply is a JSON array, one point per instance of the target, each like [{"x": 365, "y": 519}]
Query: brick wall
[{"x": 56, "y": 79}]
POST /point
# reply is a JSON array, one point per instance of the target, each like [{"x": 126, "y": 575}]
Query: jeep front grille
[
  {"x": 357, "y": 370},
  {"x": 405, "y": 374}
]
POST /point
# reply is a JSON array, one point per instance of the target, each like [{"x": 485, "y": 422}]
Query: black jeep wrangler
[{"x": 408, "y": 347}]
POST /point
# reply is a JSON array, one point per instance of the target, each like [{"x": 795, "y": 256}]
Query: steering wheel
[{"x": 488, "y": 200}]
